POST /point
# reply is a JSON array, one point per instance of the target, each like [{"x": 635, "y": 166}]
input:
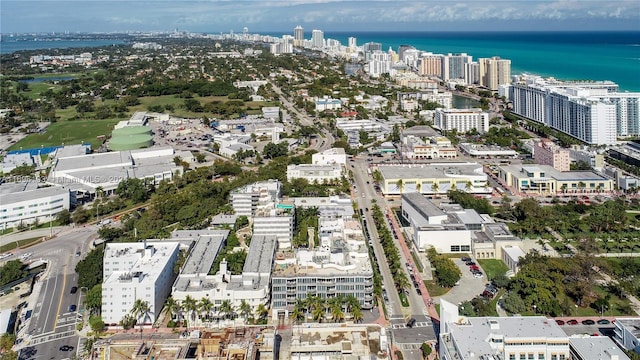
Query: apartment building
[
  {"x": 546, "y": 152},
  {"x": 494, "y": 72},
  {"x": 260, "y": 195},
  {"x": 462, "y": 120},
  {"x": 133, "y": 271},
  {"x": 315, "y": 173}
]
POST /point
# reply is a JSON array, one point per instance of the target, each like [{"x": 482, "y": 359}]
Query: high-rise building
[
  {"x": 546, "y": 152},
  {"x": 593, "y": 112},
  {"x": 298, "y": 36},
  {"x": 494, "y": 72},
  {"x": 353, "y": 43},
  {"x": 379, "y": 64},
  {"x": 431, "y": 65},
  {"x": 453, "y": 66},
  {"x": 317, "y": 39}
]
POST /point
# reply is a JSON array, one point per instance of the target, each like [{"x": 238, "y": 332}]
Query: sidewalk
[{"x": 23, "y": 235}]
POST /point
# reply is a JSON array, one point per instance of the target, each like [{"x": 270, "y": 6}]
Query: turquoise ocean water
[{"x": 611, "y": 56}]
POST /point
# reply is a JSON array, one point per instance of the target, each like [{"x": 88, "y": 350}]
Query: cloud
[{"x": 381, "y": 15}]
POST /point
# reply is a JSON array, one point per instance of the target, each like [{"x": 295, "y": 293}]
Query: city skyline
[{"x": 328, "y": 15}]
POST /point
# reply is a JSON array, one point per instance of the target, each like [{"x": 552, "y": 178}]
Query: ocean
[{"x": 611, "y": 56}]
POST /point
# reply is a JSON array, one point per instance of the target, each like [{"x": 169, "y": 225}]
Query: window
[
  {"x": 512, "y": 356},
  {"x": 455, "y": 248},
  {"x": 531, "y": 357},
  {"x": 541, "y": 356},
  {"x": 562, "y": 356},
  {"x": 523, "y": 356}
]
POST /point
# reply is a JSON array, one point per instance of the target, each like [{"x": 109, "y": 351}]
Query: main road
[{"x": 52, "y": 321}]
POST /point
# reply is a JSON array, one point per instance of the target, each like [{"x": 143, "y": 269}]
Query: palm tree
[
  {"x": 297, "y": 314},
  {"x": 190, "y": 305},
  {"x": 139, "y": 309},
  {"x": 172, "y": 307},
  {"x": 205, "y": 305},
  {"x": 399, "y": 184},
  {"x": 435, "y": 188},
  {"x": 418, "y": 186},
  {"x": 262, "y": 311},
  {"x": 357, "y": 314},
  {"x": 227, "y": 309},
  {"x": 336, "y": 312},
  {"x": 468, "y": 186},
  {"x": 245, "y": 309},
  {"x": 318, "y": 313}
]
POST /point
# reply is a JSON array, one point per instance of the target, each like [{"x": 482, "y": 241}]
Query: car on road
[
  {"x": 72, "y": 308},
  {"x": 74, "y": 289},
  {"x": 419, "y": 292},
  {"x": 560, "y": 322},
  {"x": 5, "y": 255},
  {"x": 66, "y": 348},
  {"x": 572, "y": 322},
  {"x": 411, "y": 322},
  {"x": 604, "y": 322},
  {"x": 26, "y": 256},
  {"x": 588, "y": 322}
]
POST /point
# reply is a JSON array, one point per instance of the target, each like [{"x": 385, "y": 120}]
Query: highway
[{"x": 52, "y": 324}]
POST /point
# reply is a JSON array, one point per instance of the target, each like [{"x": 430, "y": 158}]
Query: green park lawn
[
  {"x": 68, "y": 132},
  {"x": 493, "y": 267}
]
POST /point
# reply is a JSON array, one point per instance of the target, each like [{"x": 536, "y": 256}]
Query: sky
[{"x": 271, "y": 16}]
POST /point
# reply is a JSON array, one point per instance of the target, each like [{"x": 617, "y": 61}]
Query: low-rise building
[
  {"x": 482, "y": 151},
  {"x": 253, "y": 197},
  {"x": 338, "y": 342},
  {"x": 330, "y": 156},
  {"x": 595, "y": 347},
  {"x": 319, "y": 174},
  {"x": 252, "y": 286},
  {"x": 511, "y": 256},
  {"x": 593, "y": 158},
  {"x": 435, "y": 178},
  {"x": 627, "y": 333},
  {"x": 136, "y": 271},
  {"x": 515, "y": 337},
  {"x": 14, "y": 160},
  {"x": 413, "y": 147},
  {"x": 328, "y": 104},
  {"x": 544, "y": 179},
  {"x": 278, "y": 222},
  {"x": 24, "y": 203}
]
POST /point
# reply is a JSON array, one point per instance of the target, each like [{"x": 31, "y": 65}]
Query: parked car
[
  {"x": 419, "y": 292},
  {"x": 588, "y": 322},
  {"x": 572, "y": 322},
  {"x": 465, "y": 259},
  {"x": 478, "y": 275},
  {"x": 604, "y": 322},
  {"x": 66, "y": 348},
  {"x": 470, "y": 263},
  {"x": 560, "y": 322}
]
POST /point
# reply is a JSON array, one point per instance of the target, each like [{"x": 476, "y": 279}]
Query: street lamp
[{"x": 97, "y": 213}]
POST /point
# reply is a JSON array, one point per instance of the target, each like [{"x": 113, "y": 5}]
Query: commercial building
[
  {"x": 133, "y": 271},
  {"x": 462, "y": 120},
  {"x": 494, "y": 72},
  {"x": 595, "y": 347},
  {"x": 321, "y": 343},
  {"x": 593, "y": 112},
  {"x": 24, "y": 203},
  {"x": 320, "y": 174},
  {"x": 511, "y": 256},
  {"x": 435, "y": 178},
  {"x": 482, "y": 151},
  {"x": 330, "y": 156},
  {"x": 513, "y": 338},
  {"x": 12, "y": 161},
  {"x": 546, "y": 152},
  {"x": 627, "y": 333},
  {"x": 628, "y": 153},
  {"x": 252, "y": 286},
  {"x": 83, "y": 174},
  {"x": 413, "y": 147},
  {"x": 544, "y": 179}
]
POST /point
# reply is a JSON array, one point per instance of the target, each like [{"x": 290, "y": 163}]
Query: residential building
[
  {"x": 430, "y": 65},
  {"x": 136, "y": 271},
  {"x": 330, "y": 156},
  {"x": 298, "y": 36},
  {"x": 546, "y": 152},
  {"x": 453, "y": 65},
  {"x": 252, "y": 286},
  {"x": 628, "y": 153},
  {"x": 320, "y": 174},
  {"x": 340, "y": 266},
  {"x": 544, "y": 179},
  {"x": 379, "y": 63},
  {"x": 593, "y": 112},
  {"x": 24, "y": 203},
  {"x": 462, "y": 120},
  {"x": 595, "y": 347},
  {"x": 627, "y": 333},
  {"x": 593, "y": 158},
  {"x": 508, "y": 338},
  {"x": 257, "y": 196},
  {"x": 328, "y": 104},
  {"x": 435, "y": 178},
  {"x": 278, "y": 222},
  {"x": 494, "y": 72},
  {"x": 317, "y": 39}
]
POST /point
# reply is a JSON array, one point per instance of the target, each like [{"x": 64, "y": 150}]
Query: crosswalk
[
  {"x": 51, "y": 336},
  {"x": 416, "y": 325}
]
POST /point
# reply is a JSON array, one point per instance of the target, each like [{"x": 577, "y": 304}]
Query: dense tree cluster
[
  {"x": 390, "y": 250},
  {"x": 11, "y": 271},
  {"x": 89, "y": 269},
  {"x": 447, "y": 272}
]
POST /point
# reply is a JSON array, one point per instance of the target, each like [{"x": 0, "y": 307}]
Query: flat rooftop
[
  {"x": 472, "y": 336},
  {"x": 207, "y": 246},
  {"x": 143, "y": 267},
  {"x": 422, "y": 205},
  {"x": 260, "y": 257},
  {"x": 24, "y": 192},
  {"x": 550, "y": 172},
  {"x": 596, "y": 347},
  {"x": 429, "y": 171},
  {"x": 631, "y": 324}
]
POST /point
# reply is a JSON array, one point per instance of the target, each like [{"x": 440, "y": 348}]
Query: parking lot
[{"x": 468, "y": 287}]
